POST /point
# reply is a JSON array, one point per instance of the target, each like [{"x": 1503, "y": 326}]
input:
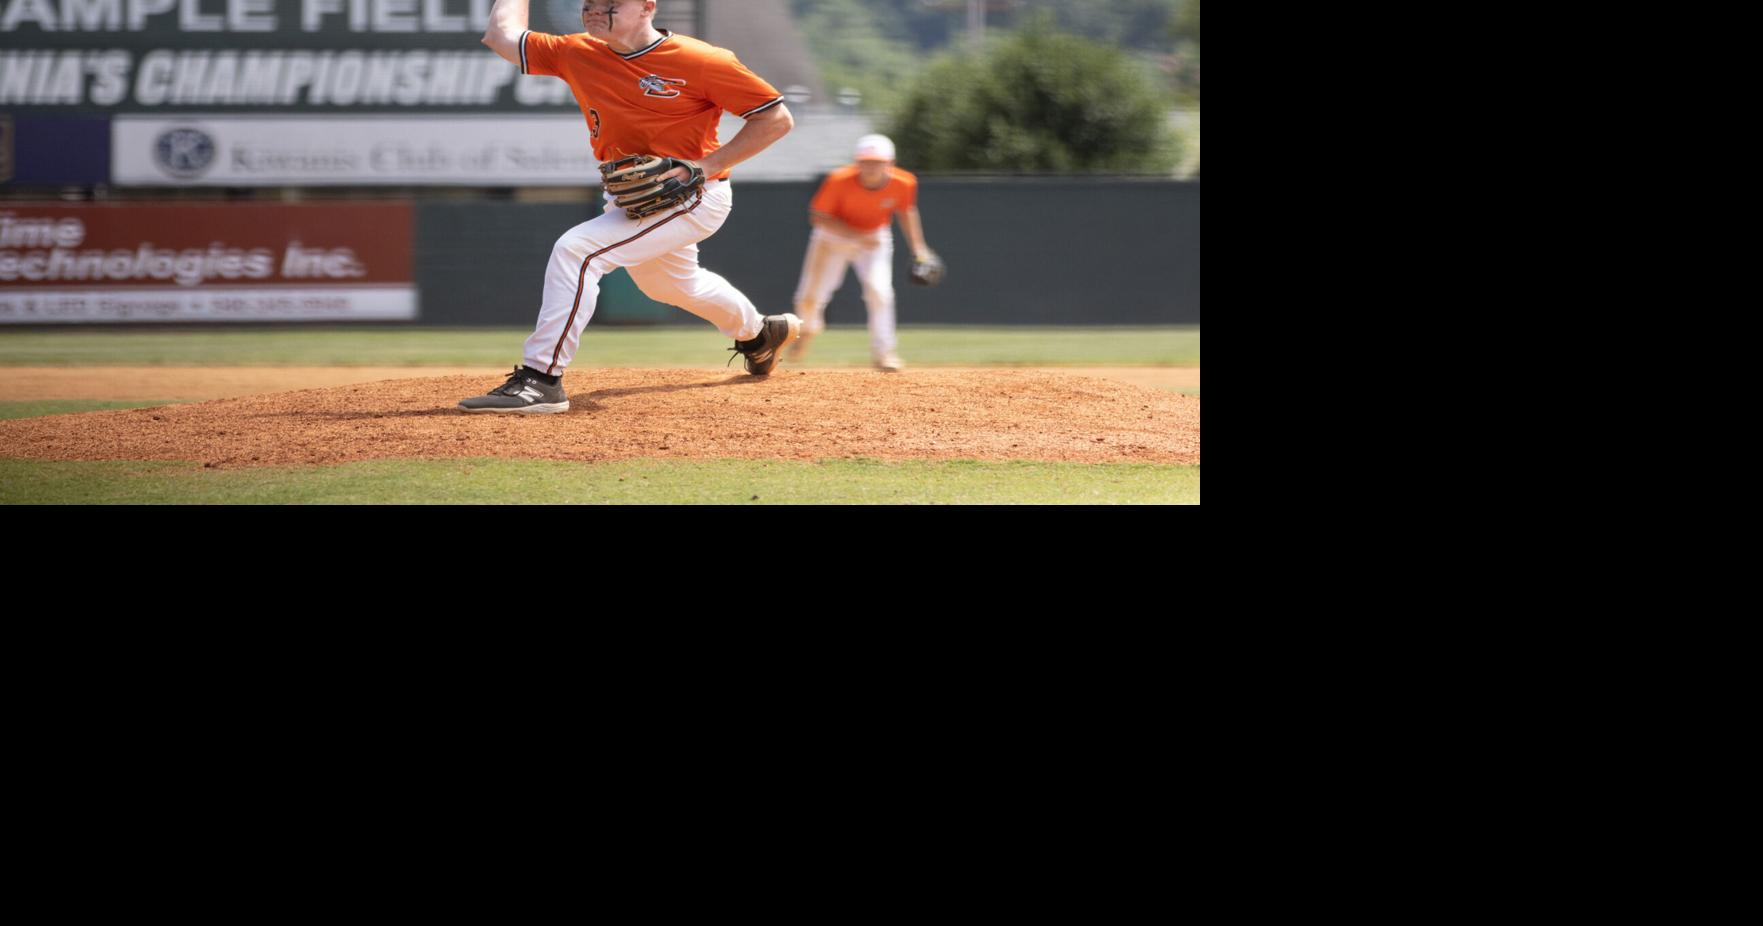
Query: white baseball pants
[
  {"x": 823, "y": 269},
  {"x": 661, "y": 254}
]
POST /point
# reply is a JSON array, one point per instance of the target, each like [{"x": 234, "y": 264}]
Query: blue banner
[{"x": 48, "y": 150}]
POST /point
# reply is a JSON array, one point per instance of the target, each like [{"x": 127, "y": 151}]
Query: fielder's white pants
[
  {"x": 823, "y": 269},
  {"x": 661, "y": 254}
]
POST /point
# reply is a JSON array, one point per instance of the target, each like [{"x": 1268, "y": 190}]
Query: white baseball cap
[{"x": 874, "y": 148}]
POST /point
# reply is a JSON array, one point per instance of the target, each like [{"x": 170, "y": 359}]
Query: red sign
[{"x": 126, "y": 244}]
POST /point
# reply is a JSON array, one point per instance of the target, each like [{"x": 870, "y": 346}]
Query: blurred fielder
[{"x": 852, "y": 215}]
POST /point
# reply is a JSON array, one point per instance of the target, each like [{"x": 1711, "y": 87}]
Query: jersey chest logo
[{"x": 655, "y": 85}]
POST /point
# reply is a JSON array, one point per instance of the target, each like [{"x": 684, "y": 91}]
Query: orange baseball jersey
[
  {"x": 843, "y": 196},
  {"x": 665, "y": 99}
]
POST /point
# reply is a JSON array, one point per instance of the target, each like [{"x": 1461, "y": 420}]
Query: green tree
[{"x": 1036, "y": 100}]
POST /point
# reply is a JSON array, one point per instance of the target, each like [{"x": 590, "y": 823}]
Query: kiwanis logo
[
  {"x": 184, "y": 153},
  {"x": 655, "y": 85}
]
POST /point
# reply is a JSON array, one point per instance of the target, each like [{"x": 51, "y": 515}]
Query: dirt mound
[{"x": 681, "y": 414}]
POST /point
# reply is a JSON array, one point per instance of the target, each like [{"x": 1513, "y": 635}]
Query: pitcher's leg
[
  {"x": 580, "y": 258},
  {"x": 572, "y": 288},
  {"x": 678, "y": 279}
]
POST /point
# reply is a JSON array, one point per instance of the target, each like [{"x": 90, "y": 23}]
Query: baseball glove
[
  {"x": 636, "y": 186},
  {"x": 929, "y": 271}
]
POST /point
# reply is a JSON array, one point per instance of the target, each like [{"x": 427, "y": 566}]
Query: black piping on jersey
[
  {"x": 523, "y": 36},
  {"x": 665, "y": 35},
  {"x": 759, "y": 109},
  {"x": 581, "y": 280}
]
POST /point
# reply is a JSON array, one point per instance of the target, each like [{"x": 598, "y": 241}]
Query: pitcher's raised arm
[{"x": 507, "y": 25}]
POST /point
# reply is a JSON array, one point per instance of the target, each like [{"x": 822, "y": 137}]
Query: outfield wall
[
  {"x": 1055, "y": 251},
  {"x": 1020, "y": 251}
]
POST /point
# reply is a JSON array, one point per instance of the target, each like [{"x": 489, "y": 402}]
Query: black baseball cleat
[
  {"x": 524, "y": 394},
  {"x": 762, "y": 352}
]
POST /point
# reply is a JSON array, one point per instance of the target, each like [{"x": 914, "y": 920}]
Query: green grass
[
  {"x": 315, "y": 347},
  {"x": 648, "y": 482},
  {"x": 602, "y": 347},
  {"x": 69, "y": 406}
]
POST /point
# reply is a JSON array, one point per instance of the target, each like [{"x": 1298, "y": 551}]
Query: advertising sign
[
  {"x": 352, "y": 150},
  {"x": 205, "y": 262}
]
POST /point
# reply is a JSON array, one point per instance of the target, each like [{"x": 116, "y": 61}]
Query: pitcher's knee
[{"x": 660, "y": 289}]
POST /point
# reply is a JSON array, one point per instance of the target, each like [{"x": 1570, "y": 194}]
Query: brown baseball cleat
[{"x": 762, "y": 352}]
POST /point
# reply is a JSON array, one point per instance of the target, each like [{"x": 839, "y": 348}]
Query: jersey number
[{"x": 594, "y": 120}]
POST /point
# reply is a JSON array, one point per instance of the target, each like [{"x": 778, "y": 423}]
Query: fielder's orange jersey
[
  {"x": 665, "y": 99},
  {"x": 844, "y": 197}
]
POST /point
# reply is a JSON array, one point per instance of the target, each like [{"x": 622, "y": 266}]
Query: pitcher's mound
[{"x": 685, "y": 414}]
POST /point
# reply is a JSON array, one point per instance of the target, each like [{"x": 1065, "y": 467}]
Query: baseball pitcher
[{"x": 652, "y": 100}]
